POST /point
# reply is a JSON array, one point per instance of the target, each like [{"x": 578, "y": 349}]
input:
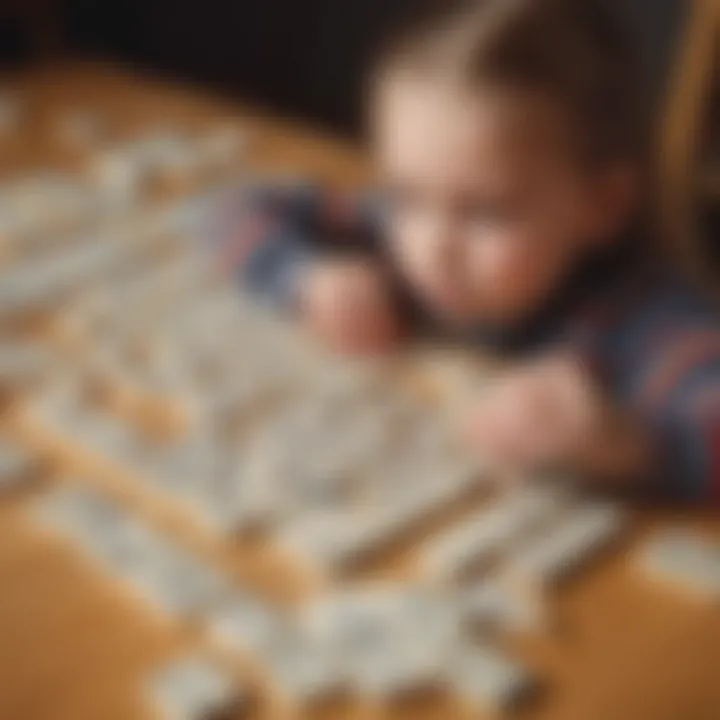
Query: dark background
[{"x": 301, "y": 57}]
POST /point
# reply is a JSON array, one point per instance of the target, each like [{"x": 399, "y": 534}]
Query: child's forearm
[
  {"x": 259, "y": 241},
  {"x": 275, "y": 270},
  {"x": 267, "y": 236}
]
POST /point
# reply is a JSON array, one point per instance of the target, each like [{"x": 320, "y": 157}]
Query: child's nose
[{"x": 441, "y": 248}]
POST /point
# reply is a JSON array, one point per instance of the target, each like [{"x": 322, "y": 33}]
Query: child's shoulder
[
  {"x": 660, "y": 300},
  {"x": 665, "y": 330}
]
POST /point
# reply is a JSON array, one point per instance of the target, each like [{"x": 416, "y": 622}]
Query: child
[{"x": 511, "y": 216}]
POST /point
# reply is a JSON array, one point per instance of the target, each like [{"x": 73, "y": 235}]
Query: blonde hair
[{"x": 572, "y": 52}]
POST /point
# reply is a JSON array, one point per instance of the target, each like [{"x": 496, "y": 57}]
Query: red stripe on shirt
[
  {"x": 706, "y": 403},
  {"x": 714, "y": 448},
  {"x": 689, "y": 352}
]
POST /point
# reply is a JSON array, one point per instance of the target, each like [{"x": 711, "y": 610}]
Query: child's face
[{"x": 488, "y": 211}]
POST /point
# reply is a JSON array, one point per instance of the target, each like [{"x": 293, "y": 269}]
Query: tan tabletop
[{"x": 73, "y": 648}]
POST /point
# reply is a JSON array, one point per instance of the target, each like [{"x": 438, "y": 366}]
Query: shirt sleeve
[
  {"x": 265, "y": 235},
  {"x": 681, "y": 399}
]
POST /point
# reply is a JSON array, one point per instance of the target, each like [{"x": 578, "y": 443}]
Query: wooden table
[{"x": 72, "y": 648}]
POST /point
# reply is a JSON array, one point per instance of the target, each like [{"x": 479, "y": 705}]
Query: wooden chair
[{"x": 694, "y": 78}]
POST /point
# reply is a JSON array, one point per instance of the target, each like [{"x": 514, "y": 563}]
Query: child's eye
[{"x": 489, "y": 213}]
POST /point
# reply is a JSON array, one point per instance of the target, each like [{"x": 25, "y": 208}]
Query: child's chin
[
  {"x": 454, "y": 313},
  {"x": 463, "y": 315},
  {"x": 457, "y": 310}
]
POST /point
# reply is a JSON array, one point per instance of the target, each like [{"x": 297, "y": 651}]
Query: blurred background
[
  {"x": 305, "y": 58},
  {"x": 302, "y": 57}
]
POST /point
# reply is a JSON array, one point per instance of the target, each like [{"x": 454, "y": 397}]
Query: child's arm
[
  {"x": 663, "y": 440},
  {"x": 312, "y": 252},
  {"x": 552, "y": 413},
  {"x": 680, "y": 397}
]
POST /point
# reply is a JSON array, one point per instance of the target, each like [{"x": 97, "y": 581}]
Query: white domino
[
  {"x": 684, "y": 559},
  {"x": 375, "y": 631},
  {"x": 15, "y": 465},
  {"x": 393, "y": 670},
  {"x": 489, "y": 607},
  {"x": 215, "y": 482},
  {"x": 433, "y": 611},
  {"x": 96, "y": 431},
  {"x": 303, "y": 672},
  {"x": 328, "y": 540},
  {"x": 582, "y": 533},
  {"x": 40, "y": 283},
  {"x": 348, "y": 618},
  {"x": 439, "y": 486},
  {"x": 336, "y": 539},
  {"x": 162, "y": 574},
  {"x": 244, "y": 624},
  {"x": 120, "y": 177},
  {"x": 485, "y": 678},
  {"x": 118, "y": 543},
  {"x": 192, "y": 688},
  {"x": 76, "y": 513},
  {"x": 46, "y": 206},
  {"x": 174, "y": 581},
  {"x": 154, "y": 148},
  {"x": 106, "y": 435},
  {"x": 239, "y": 506},
  {"x": 476, "y": 543},
  {"x": 22, "y": 363}
]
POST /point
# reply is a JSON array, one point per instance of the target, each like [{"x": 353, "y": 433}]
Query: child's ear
[{"x": 614, "y": 199}]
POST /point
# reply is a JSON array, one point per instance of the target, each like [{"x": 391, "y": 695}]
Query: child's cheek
[
  {"x": 497, "y": 263},
  {"x": 416, "y": 249}
]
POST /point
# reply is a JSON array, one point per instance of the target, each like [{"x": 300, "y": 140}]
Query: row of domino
[
  {"x": 363, "y": 639},
  {"x": 360, "y": 641}
]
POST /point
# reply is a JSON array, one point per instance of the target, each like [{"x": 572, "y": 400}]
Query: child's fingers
[
  {"x": 495, "y": 431},
  {"x": 520, "y": 425},
  {"x": 355, "y": 322},
  {"x": 359, "y": 341}
]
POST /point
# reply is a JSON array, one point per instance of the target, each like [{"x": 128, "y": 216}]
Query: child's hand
[
  {"x": 551, "y": 414},
  {"x": 349, "y": 305}
]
